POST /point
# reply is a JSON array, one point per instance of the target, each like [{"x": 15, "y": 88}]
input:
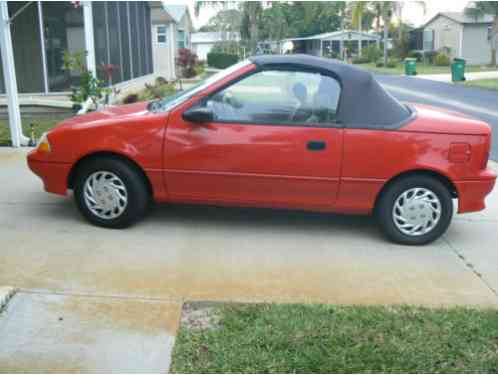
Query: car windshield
[{"x": 172, "y": 101}]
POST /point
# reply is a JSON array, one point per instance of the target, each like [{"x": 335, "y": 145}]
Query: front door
[{"x": 273, "y": 142}]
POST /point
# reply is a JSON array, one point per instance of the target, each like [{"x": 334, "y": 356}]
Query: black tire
[
  {"x": 385, "y": 205},
  {"x": 133, "y": 180}
]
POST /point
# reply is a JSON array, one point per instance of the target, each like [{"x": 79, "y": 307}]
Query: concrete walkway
[
  {"x": 93, "y": 299},
  {"x": 468, "y": 76}
]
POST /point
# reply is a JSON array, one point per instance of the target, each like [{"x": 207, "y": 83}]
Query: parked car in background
[{"x": 292, "y": 131}]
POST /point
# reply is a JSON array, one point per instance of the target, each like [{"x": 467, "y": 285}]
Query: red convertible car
[{"x": 292, "y": 131}]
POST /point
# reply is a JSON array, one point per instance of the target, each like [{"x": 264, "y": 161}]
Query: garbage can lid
[{"x": 410, "y": 59}]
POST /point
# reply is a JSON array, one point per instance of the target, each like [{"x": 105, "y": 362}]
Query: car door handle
[{"x": 316, "y": 145}]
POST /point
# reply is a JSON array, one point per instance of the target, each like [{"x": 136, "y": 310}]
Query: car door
[{"x": 273, "y": 142}]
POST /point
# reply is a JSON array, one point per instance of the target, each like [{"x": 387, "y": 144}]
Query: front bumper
[
  {"x": 53, "y": 174},
  {"x": 472, "y": 193}
]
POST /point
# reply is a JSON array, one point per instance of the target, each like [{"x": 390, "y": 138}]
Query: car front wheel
[
  {"x": 415, "y": 210},
  {"x": 110, "y": 192}
]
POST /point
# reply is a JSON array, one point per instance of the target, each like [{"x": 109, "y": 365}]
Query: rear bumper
[
  {"x": 472, "y": 193},
  {"x": 54, "y": 175}
]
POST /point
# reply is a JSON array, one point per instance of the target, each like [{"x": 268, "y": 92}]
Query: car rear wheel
[
  {"x": 110, "y": 193},
  {"x": 415, "y": 210}
]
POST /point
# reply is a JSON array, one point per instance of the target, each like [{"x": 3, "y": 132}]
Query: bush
[
  {"x": 187, "y": 61},
  {"x": 430, "y": 56},
  {"x": 200, "y": 68},
  {"x": 372, "y": 53},
  {"x": 361, "y": 60},
  {"x": 221, "y": 60},
  {"x": 416, "y": 55},
  {"x": 157, "y": 91},
  {"x": 391, "y": 63},
  {"x": 442, "y": 59}
]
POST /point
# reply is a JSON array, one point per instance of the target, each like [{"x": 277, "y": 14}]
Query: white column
[
  {"x": 172, "y": 48},
  {"x": 42, "y": 45},
  {"x": 9, "y": 74},
  {"x": 89, "y": 38}
]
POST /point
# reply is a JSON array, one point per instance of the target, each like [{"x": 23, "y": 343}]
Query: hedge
[{"x": 221, "y": 60}]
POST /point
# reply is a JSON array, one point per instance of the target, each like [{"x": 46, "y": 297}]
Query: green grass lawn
[
  {"x": 262, "y": 338},
  {"x": 424, "y": 69},
  {"x": 42, "y": 124},
  {"x": 489, "y": 84}
]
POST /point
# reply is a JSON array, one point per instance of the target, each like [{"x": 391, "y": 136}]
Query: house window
[
  {"x": 428, "y": 40},
  {"x": 161, "y": 34},
  {"x": 181, "y": 39},
  {"x": 490, "y": 33}
]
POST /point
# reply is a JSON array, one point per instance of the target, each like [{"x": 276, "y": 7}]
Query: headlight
[{"x": 43, "y": 144}]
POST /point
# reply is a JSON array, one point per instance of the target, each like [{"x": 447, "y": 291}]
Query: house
[
  {"x": 461, "y": 35},
  {"x": 171, "y": 31},
  {"x": 111, "y": 32},
  {"x": 202, "y": 42},
  {"x": 333, "y": 43},
  {"x": 34, "y": 35}
]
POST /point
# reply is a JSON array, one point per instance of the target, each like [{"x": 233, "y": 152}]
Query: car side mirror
[{"x": 198, "y": 115}]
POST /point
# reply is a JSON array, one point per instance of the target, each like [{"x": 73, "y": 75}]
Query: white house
[
  {"x": 35, "y": 34},
  {"x": 465, "y": 37},
  {"x": 203, "y": 42},
  {"x": 171, "y": 30},
  {"x": 333, "y": 42}
]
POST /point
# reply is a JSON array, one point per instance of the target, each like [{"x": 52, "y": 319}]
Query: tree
[
  {"x": 251, "y": 12},
  {"x": 479, "y": 9},
  {"x": 358, "y": 8},
  {"x": 251, "y": 17},
  {"x": 226, "y": 20}
]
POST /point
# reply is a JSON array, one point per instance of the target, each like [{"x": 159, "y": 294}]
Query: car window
[{"x": 278, "y": 97}]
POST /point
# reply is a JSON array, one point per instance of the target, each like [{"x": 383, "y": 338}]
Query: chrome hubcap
[
  {"x": 105, "y": 195},
  {"x": 416, "y": 211}
]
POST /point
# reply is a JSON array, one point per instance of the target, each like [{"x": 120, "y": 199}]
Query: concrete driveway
[{"x": 130, "y": 283}]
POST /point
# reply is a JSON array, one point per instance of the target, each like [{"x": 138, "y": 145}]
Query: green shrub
[
  {"x": 372, "y": 53},
  {"x": 416, "y": 55},
  {"x": 430, "y": 57},
  {"x": 361, "y": 60},
  {"x": 199, "y": 69},
  {"x": 221, "y": 60},
  {"x": 442, "y": 59},
  {"x": 156, "y": 91},
  {"x": 391, "y": 63}
]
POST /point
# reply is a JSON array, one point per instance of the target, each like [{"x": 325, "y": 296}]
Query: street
[{"x": 479, "y": 103}]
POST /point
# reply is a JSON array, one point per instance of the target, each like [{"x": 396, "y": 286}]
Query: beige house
[
  {"x": 465, "y": 37},
  {"x": 171, "y": 30}
]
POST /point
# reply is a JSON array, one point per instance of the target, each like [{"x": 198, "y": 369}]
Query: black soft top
[{"x": 363, "y": 103}]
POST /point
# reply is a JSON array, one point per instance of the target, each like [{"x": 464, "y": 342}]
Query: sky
[{"x": 412, "y": 13}]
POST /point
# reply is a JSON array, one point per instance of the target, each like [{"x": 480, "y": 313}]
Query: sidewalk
[{"x": 469, "y": 76}]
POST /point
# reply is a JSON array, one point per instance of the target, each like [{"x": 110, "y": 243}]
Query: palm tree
[
  {"x": 384, "y": 11},
  {"x": 358, "y": 8},
  {"x": 479, "y": 9},
  {"x": 251, "y": 12}
]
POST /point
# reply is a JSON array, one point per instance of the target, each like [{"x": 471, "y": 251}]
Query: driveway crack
[{"x": 470, "y": 266}]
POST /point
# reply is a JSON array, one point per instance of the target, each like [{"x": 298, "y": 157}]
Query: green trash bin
[
  {"x": 458, "y": 70},
  {"x": 410, "y": 66}
]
